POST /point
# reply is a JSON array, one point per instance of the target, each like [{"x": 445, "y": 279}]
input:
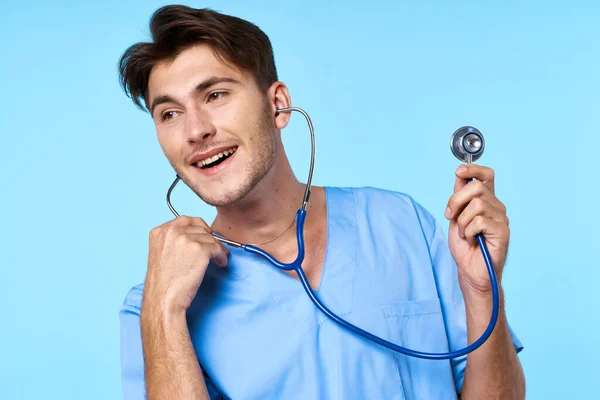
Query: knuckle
[
  {"x": 461, "y": 222},
  {"x": 176, "y": 233},
  {"x": 478, "y": 221},
  {"x": 194, "y": 244},
  {"x": 217, "y": 247},
  {"x": 155, "y": 232},
  {"x": 479, "y": 186},
  {"x": 468, "y": 230},
  {"x": 180, "y": 237},
  {"x": 183, "y": 219},
  {"x": 172, "y": 229},
  {"x": 478, "y": 204},
  {"x": 452, "y": 201},
  {"x": 193, "y": 221},
  {"x": 204, "y": 225}
]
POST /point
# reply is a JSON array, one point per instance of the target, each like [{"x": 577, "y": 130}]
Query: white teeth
[{"x": 214, "y": 158}]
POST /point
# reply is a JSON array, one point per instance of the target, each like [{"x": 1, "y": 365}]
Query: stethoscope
[{"x": 467, "y": 145}]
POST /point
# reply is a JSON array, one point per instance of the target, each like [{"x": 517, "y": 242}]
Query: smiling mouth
[{"x": 216, "y": 159}]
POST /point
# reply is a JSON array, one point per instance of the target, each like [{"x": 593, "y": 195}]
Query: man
[{"x": 216, "y": 322}]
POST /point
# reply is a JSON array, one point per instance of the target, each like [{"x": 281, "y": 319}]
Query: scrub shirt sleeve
[
  {"x": 449, "y": 292},
  {"x": 132, "y": 358}
]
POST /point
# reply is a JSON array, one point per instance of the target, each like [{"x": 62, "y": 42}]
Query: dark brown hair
[{"x": 176, "y": 28}]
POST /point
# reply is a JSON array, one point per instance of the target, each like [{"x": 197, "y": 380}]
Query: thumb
[{"x": 221, "y": 256}]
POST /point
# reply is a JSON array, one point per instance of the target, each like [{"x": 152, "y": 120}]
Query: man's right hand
[{"x": 179, "y": 253}]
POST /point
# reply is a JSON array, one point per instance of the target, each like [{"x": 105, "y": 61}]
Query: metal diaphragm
[{"x": 467, "y": 141}]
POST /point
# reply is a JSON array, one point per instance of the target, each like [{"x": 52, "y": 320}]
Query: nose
[{"x": 199, "y": 126}]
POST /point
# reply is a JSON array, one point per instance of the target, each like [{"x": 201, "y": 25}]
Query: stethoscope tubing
[{"x": 296, "y": 266}]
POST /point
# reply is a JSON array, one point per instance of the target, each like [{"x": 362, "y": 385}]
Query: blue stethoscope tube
[{"x": 296, "y": 266}]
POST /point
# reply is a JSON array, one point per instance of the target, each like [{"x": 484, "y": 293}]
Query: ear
[{"x": 279, "y": 97}]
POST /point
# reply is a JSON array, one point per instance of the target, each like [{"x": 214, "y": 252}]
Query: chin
[{"x": 221, "y": 196}]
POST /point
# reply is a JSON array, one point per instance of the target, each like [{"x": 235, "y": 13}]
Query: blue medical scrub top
[{"x": 387, "y": 270}]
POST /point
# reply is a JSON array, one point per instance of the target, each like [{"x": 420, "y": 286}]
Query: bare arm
[
  {"x": 493, "y": 371},
  {"x": 180, "y": 252},
  {"x": 171, "y": 367}
]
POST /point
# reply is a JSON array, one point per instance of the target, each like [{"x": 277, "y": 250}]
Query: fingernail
[
  {"x": 461, "y": 169},
  {"x": 448, "y": 212}
]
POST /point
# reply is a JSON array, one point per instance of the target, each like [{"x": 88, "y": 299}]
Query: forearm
[
  {"x": 493, "y": 371},
  {"x": 171, "y": 366}
]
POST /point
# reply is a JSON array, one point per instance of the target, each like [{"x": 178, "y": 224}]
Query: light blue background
[{"x": 83, "y": 179}]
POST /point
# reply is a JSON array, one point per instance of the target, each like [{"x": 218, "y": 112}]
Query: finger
[
  {"x": 214, "y": 249},
  {"x": 184, "y": 220},
  {"x": 208, "y": 236},
  {"x": 219, "y": 253},
  {"x": 187, "y": 231},
  {"x": 479, "y": 172},
  {"x": 459, "y": 183},
  {"x": 476, "y": 207},
  {"x": 487, "y": 226},
  {"x": 474, "y": 189},
  {"x": 196, "y": 229},
  {"x": 203, "y": 236}
]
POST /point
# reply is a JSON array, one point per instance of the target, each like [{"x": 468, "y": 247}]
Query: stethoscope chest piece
[{"x": 467, "y": 144}]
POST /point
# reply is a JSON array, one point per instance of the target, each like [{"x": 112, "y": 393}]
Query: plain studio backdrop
[{"x": 83, "y": 179}]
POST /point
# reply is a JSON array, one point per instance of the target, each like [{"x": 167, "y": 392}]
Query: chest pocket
[{"x": 419, "y": 325}]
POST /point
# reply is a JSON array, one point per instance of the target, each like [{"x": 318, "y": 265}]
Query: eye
[
  {"x": 216, "y": 96},
  {"x": 167, "y": 115}
]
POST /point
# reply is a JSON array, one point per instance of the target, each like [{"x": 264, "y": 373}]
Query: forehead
[{"x": 191, "y": 66}]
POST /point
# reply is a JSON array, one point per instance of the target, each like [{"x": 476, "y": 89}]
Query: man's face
[{"x": 213, "y": 123}]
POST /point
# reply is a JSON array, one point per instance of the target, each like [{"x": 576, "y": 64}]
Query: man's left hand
[{"x": 473, "y": 209}]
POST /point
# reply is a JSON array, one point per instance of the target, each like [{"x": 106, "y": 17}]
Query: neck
[{"x": 267, "y": 211}]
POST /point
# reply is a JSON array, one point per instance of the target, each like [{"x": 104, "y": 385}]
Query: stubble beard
[{"x": 264, "y": 141}]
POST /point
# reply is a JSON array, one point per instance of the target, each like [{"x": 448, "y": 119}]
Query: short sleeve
[
  {"x": 450, "y": 294},
  {"x": 132, "y": 357}
]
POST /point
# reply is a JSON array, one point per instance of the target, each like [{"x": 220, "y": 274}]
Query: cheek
[
  {"x": 163, "y": 142},
  {"x": 169, "y": 144}
]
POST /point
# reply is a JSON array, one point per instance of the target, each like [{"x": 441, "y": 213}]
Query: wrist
[
  {"x": 479, "y": 304},
  {"x": 158, "y": 309},
  {"x": 478, "y": 290}
]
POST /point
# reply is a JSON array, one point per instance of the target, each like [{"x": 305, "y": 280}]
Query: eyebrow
[{"x": 201, "y": 87}]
